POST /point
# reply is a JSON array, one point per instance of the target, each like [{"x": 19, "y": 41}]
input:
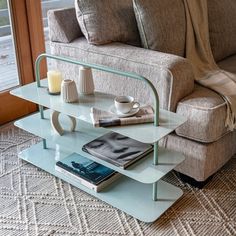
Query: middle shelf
[{"x": 143, "y": 170}]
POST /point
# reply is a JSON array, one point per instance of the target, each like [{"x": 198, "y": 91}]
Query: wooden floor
[{"x": 8, "y": 69}]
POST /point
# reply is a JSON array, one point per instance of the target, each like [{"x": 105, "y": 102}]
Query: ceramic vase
[
  {"x": 85, "y": 81},
  {"x": 69, "y": 92}
]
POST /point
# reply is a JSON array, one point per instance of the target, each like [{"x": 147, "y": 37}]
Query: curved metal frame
[{"x": 113, "y": 71}]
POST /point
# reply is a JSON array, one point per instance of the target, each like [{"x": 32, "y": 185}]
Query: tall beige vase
[{"x": 85, "y": 81}]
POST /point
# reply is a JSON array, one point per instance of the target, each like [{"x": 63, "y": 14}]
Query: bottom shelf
[{"x": 128, "y": 195}]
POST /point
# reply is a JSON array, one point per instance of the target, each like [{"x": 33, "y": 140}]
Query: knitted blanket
[{"x": 198, "y": 51}]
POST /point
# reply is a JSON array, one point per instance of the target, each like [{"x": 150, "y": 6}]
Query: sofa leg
[{"x": 193, "y": 182}]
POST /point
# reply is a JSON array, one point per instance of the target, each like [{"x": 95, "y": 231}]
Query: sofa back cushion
[
  {"x": 63, "y": 25},
  {"x": 162, "y": 25},
  {"x": 106, "y": 21},
  {"x": 222, "y": 27}
]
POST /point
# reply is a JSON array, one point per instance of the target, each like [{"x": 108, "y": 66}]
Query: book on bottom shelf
[
  {"x": 117, "y": 149},
  {"x": 89, "y": 173}
]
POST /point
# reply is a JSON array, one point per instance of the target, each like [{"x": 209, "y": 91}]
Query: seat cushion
[
  {"x": 162, "y": 25},
  {"x": 106, "y": 21},
  {"x": 206, "y": 113},
  {"x": 201, "y": 159},
  {"x": 222, "y": 27},
  {"x": 228, "y": 64}
]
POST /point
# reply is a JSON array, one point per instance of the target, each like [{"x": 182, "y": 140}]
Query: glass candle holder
[{"x": 54, "y": 81}]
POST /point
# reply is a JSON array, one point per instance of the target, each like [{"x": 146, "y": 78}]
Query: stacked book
[
  {"x": 112, "y": 147},
  {"x": 88, "y": 173}
]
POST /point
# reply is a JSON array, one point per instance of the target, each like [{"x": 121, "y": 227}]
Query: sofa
[{"x": 204, "y": 140}]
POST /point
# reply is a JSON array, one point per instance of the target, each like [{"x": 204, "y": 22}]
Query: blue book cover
[{"x": 85, "y": 168}]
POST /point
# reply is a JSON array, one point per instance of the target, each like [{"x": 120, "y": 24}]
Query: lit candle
[{"x": 54, "y": 81}]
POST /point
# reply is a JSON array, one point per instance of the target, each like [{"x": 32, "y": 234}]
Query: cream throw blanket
[{"x": 198, "y": 51}]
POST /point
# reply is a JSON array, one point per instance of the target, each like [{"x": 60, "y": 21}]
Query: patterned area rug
[{"x": 33, "y": 202}]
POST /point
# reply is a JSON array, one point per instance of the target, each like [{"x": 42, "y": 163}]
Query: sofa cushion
[
  {"x": 161, "y": 25},
  {"x": 201, "y": 159},
  {"x": 106, "y": 21},
  {"x": 148, "y": 63},
  {"x": 222, "y": 27},
  {"x": 206, "y": 113},
  {"x": 60, "y": 22},
  {"x": 228, "y": 64}
]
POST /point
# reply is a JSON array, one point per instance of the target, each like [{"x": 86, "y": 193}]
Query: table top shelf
[
  {"x": 146, "y": 133},
  {"x": 143, "y": 170}
]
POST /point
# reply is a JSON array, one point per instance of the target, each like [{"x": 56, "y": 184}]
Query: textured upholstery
[
  {"x": 222, "y": 27},
  {"x": 228, "y": 64},
  {"x": 206, "y": 113},
  {"x": 63, "y": 25},
  {"x": 161, "y": 26},
  {"x": 204, "y": 108},
  {"x": 133, "y": 59},
  {"x": 105, "y": 21},
  {"x": 202, "y": 160}
]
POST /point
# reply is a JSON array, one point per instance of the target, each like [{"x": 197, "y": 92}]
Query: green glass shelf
[
  {"x": 146, "y": 133},
  {"x": 143, "y": 171},
  {"x": 128, "y": 195},
  {"x": 139, "y": 192}
]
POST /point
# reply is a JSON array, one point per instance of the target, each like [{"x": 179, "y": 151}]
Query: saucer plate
[{"x": 121, "y": 115}]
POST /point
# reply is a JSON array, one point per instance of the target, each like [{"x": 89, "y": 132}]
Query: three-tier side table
[{"x": 140, "y": 192}]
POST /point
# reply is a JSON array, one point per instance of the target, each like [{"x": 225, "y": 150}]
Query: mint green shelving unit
[{"x": 132, "y": 192}]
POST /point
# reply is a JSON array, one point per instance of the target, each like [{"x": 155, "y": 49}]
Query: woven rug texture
[{"x": 33, "y": 202}]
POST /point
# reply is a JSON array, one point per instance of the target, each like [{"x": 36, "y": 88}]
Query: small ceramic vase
[
  {"x": 85, "y": 81},
  {"x": 69, "y": 92}
]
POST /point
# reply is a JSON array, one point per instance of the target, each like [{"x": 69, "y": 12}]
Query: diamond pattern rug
[{"x": 33, "y": 202}]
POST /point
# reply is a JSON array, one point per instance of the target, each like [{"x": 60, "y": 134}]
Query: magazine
[
  {"x": 89, "y": 173},
  {"x": 117, "y": 149},
  {"x": 102, "y": 118}
]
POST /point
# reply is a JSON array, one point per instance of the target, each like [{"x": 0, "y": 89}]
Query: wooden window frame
[{"x": 26, "y": 18}]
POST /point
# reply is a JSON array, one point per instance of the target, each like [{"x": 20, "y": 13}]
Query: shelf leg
[
  {"x": 155, "y": 154},
  {"x": 155, "y": 162},
  {"x": 42, "y": 117},
  {"x": 44, "y": 144},
  {"x": 41, "y": 112},
  {"x": 154, "y": 193}
]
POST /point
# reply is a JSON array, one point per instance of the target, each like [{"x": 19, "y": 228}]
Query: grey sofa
[{"x": 203, "y": 139}]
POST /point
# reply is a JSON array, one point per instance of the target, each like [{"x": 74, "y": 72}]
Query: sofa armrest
[
  {"x": 148, "y": 63},
  {"x": 63, "y": 25}
]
